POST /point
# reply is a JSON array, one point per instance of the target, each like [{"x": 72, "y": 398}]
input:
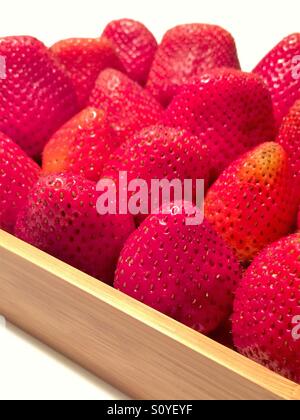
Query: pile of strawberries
[{"x": 86, "y": 109}]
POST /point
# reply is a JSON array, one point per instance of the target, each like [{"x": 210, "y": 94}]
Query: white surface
[{"x": 27, "y": 369}]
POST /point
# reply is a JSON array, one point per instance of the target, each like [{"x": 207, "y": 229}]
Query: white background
[
  {"x": 28, "y": 370},
  {"x": 256, "y": 24}
]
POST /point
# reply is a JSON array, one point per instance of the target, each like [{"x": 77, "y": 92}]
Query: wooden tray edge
[{"x": 248, "y": 380}]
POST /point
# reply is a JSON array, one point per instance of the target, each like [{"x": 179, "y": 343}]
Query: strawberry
[
  {"x": 60, "y": 218},
  {"x": 36, "y": 96},
  {"x": 159, "y": 152},
  {"x": 289, "y": 138},
  {"x": 187, "y": 51},
  {"x": 185, "y": 272},
  {"x": 229, "y": 110},
  {"x": 82, "y": 146},
  {"x": 135, "y": 46},
  {"x": 250, "y": 205},
  {"x": 84, "y": 59},
  {"x": 130, "y": 108},
  {"x": 18, "y": 174},
  {"x": 267, "y": 309},
  {"x": 281, "y": 72}
]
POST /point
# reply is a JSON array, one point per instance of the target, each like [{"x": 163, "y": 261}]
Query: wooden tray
[{"x": 139, "y": 351}]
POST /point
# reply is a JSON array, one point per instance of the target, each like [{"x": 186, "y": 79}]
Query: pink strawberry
[
  {"x": 82, "y": 146},
  {"x": 60, "y": 218},
  {"x": 229, "y": 110},
  {"x": 84, "y": 59},
  {"x": 250, "y": 205},
  {"x": 185, "y": 272},
  {"x": 159, "y": 152},
  {"x": 280, "y": 70},
  {"x": 130, "y": 108},
  {"x": 135, "y": 45},
  {"x": 289, "y": 138},
  {"x": 18, "y": 174},
  {"x": 266, "y": 321},
  {"x": 187, "y": 51},
  {"x": 36, "y": 96}
]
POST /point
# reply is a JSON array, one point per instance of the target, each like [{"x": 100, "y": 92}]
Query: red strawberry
[
  {"x": 135, "y": 45},
  {"x": 185, "y": 272},
  {"x": 280, "y": 70},
  {"x": 289, "y": 138},
  {"x": 60, "y": 218},
  {"x": 229, "y": 110},
  {"x": 267, "y": 309},
  {"x": 36, "y": 97},
  {"x": 84, "y": 59},
  {"x": 159, "y": 152},
  {"x": 130, "y": 108},
  {"x": 18, "y": 174},
  {"x": 187, "y": 51},
  {"x": 82, "y": 146},
  {"x": 250, "y": 205}
]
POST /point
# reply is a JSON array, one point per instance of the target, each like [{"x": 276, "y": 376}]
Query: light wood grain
[{"x": 141, "y": 352}]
